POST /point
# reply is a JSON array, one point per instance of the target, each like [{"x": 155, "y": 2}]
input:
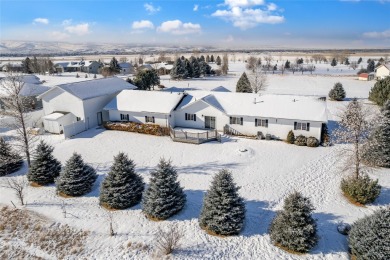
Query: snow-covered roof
[
  {"x": 220, "y": 89},
  {"x": 387, "y": 66},
  {"x": 145, "y": 67},
  {"x": 62, "y": 64},
  {"x": 272, "y": 106},
  {"x": 145, "y": 101},
  {"x": 32, "y": 79},
  {"x": 164, "y": 65},
  {"x": 125, "y": 65},
  {"x": 27, "y": 90},
  {"x": 95, "y": 88},
  {"x": 54, "y": 116}
]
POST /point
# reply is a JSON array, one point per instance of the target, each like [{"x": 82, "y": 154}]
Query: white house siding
[
  {"x": 382, "y": 72},
  {"x": 163, "y": 120},
  {"x": 93, "y": 106},
  {"x": 201, "y": 109},
  {"x": 59, "y": 100}
]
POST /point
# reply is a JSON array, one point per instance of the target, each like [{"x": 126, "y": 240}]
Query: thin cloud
[
  {"x": 79, "y": 29},
  {"x": 243, "y": 3},
  {"x": 378, "y": 35},
  {"x": 196, "y": 7},
  {"x": 143, "y": 24},
  {"x": 41, "y": 21},
  {"x": 66, "y": 22},
  {"x": 177, "y": 27},
  {"x": 151, "y": 9}
]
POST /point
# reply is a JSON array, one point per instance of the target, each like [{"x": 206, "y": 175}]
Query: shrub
[
  {"x": 337, "y": 93},
  {"x": 325, "y": 138},
  {"x": 369, "y": 237},
  {"x": 300, "y": 140},
  {"x": 223, "y": 211},
  {"x": 290, "y": 137},
  {"x": 268, "y": 137},
  {"x": 164, "y": 196},
  {"x": 360, "y": 190},
  {"x": 380, "y": 92},
  {"x": 76, "y": 178},
  {"x": 150, "y": 129},
  {"x": 293, "y": 228},
  {"x": 123, "y": 187},
  {"x": 169, "y": 240},
  {"x": 9, "y": 160},
  {"x": 312, "y": 142}
]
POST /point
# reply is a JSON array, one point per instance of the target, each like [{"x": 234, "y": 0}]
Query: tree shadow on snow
[
  {"x": 330, "y": 240},
  {"x": 258, "y": 217},
  {"x": 332, "y": 125},
  {"x": 193, "y": 205},
  {"x": 384, "y": 197},
  {"x": 206, "y": 167},
  {"x": 90, "y": 133}
]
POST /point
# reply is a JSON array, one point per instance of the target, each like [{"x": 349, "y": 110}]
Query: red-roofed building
[{"x": 366, "y": 76}]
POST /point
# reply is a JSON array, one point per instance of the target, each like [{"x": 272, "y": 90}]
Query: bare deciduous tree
[
  {"x": 18, "y": 185},
  {"x": 168, "y": 240},
  {"x": 258, "y": 79},
  {"x": 225, "y": 64},
  {"x": 354, "y": 128},
  {"x": 123, "y": 59},
  {"x": 17, "y": 108},
  {"x": 268, "y": 60},
  {"x": 110, "y": 219},
  {"x": 353, "y": 65}
]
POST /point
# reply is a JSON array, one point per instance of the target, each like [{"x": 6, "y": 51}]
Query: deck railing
[{"x": 194, "y": 138}]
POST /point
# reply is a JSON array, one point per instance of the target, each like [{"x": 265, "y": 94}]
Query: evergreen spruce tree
[
  {"x": 9, "y": 160},
  {"x": 164, "y": 197},
  {"x": 333, "y": 63},
  {"x": 223, "y": 211},
  {"x": 294, "y": 228},
  {"x": 287, "y": 64},
  {"x": 76, "y": 178},
  {"x": 212, "y": 58},
  {"x": 346, "y": 62},
  {"x": 207, "y": 58},
  {"x": 378, "y": 148},
  {"x": 114, "y": 66},
  {"x": 380, "y": 92},
  {"x": 369, "y": 237},
  {"x": 123, "y": 187},
  {"x": 188, "y": 68},
  {"x": 371, "y": 66},
  {"x": 359, "y": 60},
  {"x": 218, "y": 60},
  {"x": 243, "y": 84},
  {"x": 179, "y": 71},
  {"x": 27, "y": 66},
  {"x": 195, "y": 67},
  {"x": 337, "y": 92},
  {"x": 44, "y": 167}
]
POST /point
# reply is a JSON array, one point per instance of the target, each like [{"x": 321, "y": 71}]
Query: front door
[
  {"x": 209, "y": 122},
  {"x": 100, "y": 118}
]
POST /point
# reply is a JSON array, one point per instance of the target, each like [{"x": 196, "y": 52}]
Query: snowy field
[{"x": 266, "y": 172}]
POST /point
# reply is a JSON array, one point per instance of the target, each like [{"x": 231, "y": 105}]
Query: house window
[
  {"x": 236, "y": 120},
  {"x": 302, "y": 126},
  {"x": 190, "y": 117},
  {"x": 149, "y": 119},
  {"x": 261, "y": 122},
  {"x": 78, "y": 118},
  {"x": 125, "y": 117}
]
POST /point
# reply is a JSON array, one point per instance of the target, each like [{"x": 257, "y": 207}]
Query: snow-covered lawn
[{"x": 266, "y": 172}]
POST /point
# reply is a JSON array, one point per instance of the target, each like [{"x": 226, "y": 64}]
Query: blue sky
[{"x": 230, "y": 23}]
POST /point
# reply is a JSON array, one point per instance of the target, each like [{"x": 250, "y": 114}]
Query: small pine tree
[
  {"x": 77, "y": 75},
  {"x": 223, "y": 211},
  {"x": 380, "y": 92},
  {"x": 94, "y": 76},
  {"x": 325, "y": 138},
  {"x": 290, "y": 137},
  {"x": 218, "y": 61},
  {"x": 164, "y": 196},
  {"x": 9, "y": 160},
  {"x": 287, "y": 64},
  {"x": 362, "y": 190},
  {"x": 333, "y": 63},
  {"x": 359, "y": 60},
  {"x": 243, "y": 84},
  {"x": 123, "y": 187},
  {"x": 337, "y": 92},
  {"x": 212, "y": 58},
  {"x": 346, "y": 62},
  {"x": 44, "y": 167},
  {"x": 371, "y": 66},
  {"x": 76, "y": 178},
  {"x": 369, "y": 237},
  {"x": 294, "y": 228},
  {"x": 377, "y": 152},
  {"x": 114, "y": 66}
]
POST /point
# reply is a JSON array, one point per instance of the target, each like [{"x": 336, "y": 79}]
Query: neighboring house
[
  {"x": 81, "y": 103},
  {"x": 220, "y": 89},
  {"x": 30, "y": 90},
  {"x": 90, "y": 67},
  {"x": 144, "y": 107},
  {"x": 14, "y": 67},
  {"x": 164, "y": 68},
  {"x": 79, "y": 66},
  {"x": 382, "y": 71},
  {"x": 61, "y": 67},
  {"x": 126, "y": 68},
  {"x": 366, "y": 76},
  {"x": 237, "y": 113},
  {"x": 145, "y": 67}
]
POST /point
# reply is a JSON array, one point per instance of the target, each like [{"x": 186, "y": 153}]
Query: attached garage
[{"x": 54, "y": 122}]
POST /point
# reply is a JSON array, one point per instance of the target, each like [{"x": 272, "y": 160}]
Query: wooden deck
[{"x": 196, "y": 137}]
